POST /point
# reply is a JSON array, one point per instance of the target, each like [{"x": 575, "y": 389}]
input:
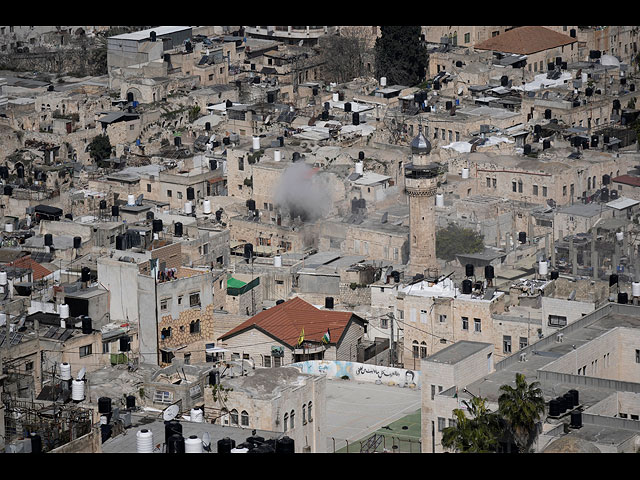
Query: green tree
[
  {"x": 477, "y": 433},
  {"x": 521, "y": 408},
  {"x": 100, "y": 147},
  {"x": 455, "y": 240},
  {"x": 400, "y": 55}
]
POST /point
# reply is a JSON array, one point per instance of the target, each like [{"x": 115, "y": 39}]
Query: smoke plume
[{"x": 303, "y": 193}]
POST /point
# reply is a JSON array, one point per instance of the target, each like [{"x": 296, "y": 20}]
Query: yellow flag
[{"x": 301, "y": 337}]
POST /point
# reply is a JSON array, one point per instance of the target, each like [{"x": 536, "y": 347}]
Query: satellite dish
[
  {"x": 81, "y": 373},
  {"x": 170, "y": 412},
  {"x": 300, "y": 43},
  {"x": 139, "y": 199}
]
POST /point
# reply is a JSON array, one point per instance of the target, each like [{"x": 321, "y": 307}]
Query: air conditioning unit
[
  {"x": 560, "y": 338},
  {"x": 523, "y": 357}
]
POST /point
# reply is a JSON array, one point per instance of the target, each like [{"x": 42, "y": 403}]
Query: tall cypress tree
[{"x": 400, "y": 55}]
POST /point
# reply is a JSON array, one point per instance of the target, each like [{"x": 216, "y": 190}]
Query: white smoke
[{"x": 302, "y": 192}]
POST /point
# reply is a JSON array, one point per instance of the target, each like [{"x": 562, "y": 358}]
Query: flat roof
[
  {"x": 457, "y": 352},
  {"x": 144, "y": 34}
]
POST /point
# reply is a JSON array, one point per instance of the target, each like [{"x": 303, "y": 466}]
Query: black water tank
[
  {"x": 20, "y": 171},
  {"x": 613, "y": 279},
  {"x": 546, "y": 144},
  {"x": 467, "y": 287},
  {"x": 225, "y": 445},
  {"x": 278, "y": 302},
  {"x": 594, "y": 141},
  {"x": 488, "y": 272},
  {"x": 150, "y": 215},
  {"x": 623, "y": 298},
  {"x": 175, "y": 444},
  {"x": 347, "y": 107},
  {"x": 568, "y": 398},
  {"x": 576, "y": 397},
  {"x": 468, "y": 270},
  {"x": 537, "y": 129},
  {"x": 178, "y": 229},
  {"x": 595, "y": 54},
  {"x": 613, "y": 194},
  {"x": 562, "y": 405},
  {"x": 121, "y": 242},
  {"x": 104, "y": 405},
  {"x": 248, "y": 250},
  {"x": 191, "y": 194},
  {"x": 504, "y": 80},
  {"x": 576, "y": 419},
  {"x": 131, "y": 401},
  {"x": 361, "y": 155},
  {"x": 213, "y": 377},
  {"x": 564, "y": 65},
  {"x": 606, "y": 179},
  {"x": 125, "y": 344},
  {"x": 115, "y": 211},
  {"x": 86, "y": 325},
  {"x": 623, "y": 81},
  {"x": 285, "y": 445},
  {"x": 632, "y": 87},
  {"x": 588, "y": 91},
  {"x": 295, "y": 157},
  {"x": 355, "y": 118},
  {"x": 152, "y": 36},
  {"x": 177, "y": 141},
  {"x": 77, "y": 242},
  {"x": 328, "y": 302},
  {"x": 4, "y": 172},
  {"x": 604, "y": 194},
  {"x": 448, "y": 105},
  {"x": 213, "y": 164},
  {"x": 616, "y": 104},
  {"x": 8, "y": 190},
  {"x": 281, "y": 140},
  {"x": 551, "y": 66},
  {"x": 522, "y": 237},
  {"x": 48, "y": 240},
  {"x": 171, "y": 427},
  {"x": 85, "y": 274},
  {"x": 554, "y": 408},
  {"x": 207, "y": 126},
  {"x": 324, "y": 116},
  {"x": 218, "y": 215},
  {"x": 547, "y": 114},
  {"x": 554, "y": 274},
  {"x": 251, "y": 204},
  {"x": 226, "y": 141},
  {"x": 36, "y": 443},
  {"x": 156, "y": 225},
  {"x": 255, "y": 440},
  {"x": 396, "y": 276},
  {"x": 436, "y": 85}
]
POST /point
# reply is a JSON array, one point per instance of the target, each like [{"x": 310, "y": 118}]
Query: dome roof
[
  {"x": 571, "y": 444},
  {"x": 609, "y": 60},
  {"x": 420, "y": 144}
]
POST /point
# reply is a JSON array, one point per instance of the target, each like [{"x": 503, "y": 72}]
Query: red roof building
[
  {"x": 276, "y": 332},
  {"x": 39, "y": 272}
]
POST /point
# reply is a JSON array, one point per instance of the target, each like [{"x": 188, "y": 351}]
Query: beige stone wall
[{"x": 180, "y": 332}]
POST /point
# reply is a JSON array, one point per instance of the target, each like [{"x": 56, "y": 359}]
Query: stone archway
[{"x": 133, "y": 95}]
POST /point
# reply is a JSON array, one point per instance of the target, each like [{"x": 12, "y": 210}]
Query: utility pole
[{"x": 391, "y": 349}]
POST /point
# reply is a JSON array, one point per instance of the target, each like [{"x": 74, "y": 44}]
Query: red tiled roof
[
  {"x": 39, "y": 271},
  {"x": 286, "y": 321},
  {"x": 526, "y": 40},
  {"x": 628, "y": 180}
]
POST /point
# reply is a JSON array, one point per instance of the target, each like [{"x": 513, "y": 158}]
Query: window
[
  {"x": 169, "y": 193},
  {"x": 194, "y": 327},
  {"x": 477, "y": 324},
  {"x": 535, "y": 190},
  {"x": 286, "y": 421},
  {"x": 443, "y": 318},
  {"x": 267, "y": 361},
  {"x": 544, "y": 191},
  {"x": 244, "y": 418},
  {"x": 506, "y": 343},
  {"x": 292, "y": 417},
  {"x": 452, "y": 422},
  {"x": 519, "y": 186},
  {"x": 488, "y": 181},
  {"x": 442, "y": 423},
  {"x": 148, "y": 187},
  {"x": 304, "y": 414},
  {"x": 495, "y": 182},
  {"x": 423, "y": 316},
  {"x": 309, "y": 417},
  {"x": 165, "y": 333},
  {"x": 85, "y": 351},
  {"x": 637, "y": 356},
  {"x": 467, "y": 37},
  {"x": 180, "y": 297},
  {"x": 557, "y": 321},
  {"x": 433, "y": 392},
  {"x": 161, "y": 396},
  {"x": 564, "y": 190},
  {"x": 179, "y": 194},
  {"x": 465, "y": 323},
  {"x": 524, "y": 342},
  {"x": 234, "y": 417},
  {"x": 384, "y": 322},
  {"x": 194, "y": 299},
  {"x": 164, "y": 304},
  {"x": 415, "y": 348},
  {"x": 277, "y": 361},
  {"x": 514, "y": 186},
  {"x": 28, "y": 366},
  {"x": 423, "y": 350},
  {"x": 105, "y": 347}
]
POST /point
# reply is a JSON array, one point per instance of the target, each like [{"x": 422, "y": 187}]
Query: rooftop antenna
[{"x": 206, "y": 442}]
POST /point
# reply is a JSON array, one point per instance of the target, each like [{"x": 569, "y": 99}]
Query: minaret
[{"x": 421, "y": 182}]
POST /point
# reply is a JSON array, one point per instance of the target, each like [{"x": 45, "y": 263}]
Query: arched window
[
  {"x": 224, "y": 416},
  {"x": 286, "y": 421},
  {"x": 304, "y": 414},
  {"x": 415, "y": 348},
  {"x": 309, "y": 417},
  {"x": 589, "y": 183},
  {"x": 423, "y": 350},
  {"x": 234, "y": 417},
  {"x": 292, "y": 417},
  {"x": 244, "y": 418}
]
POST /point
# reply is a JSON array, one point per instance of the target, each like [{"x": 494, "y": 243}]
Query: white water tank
[
  {"x": 277, "y": 156},
  {"x": 635, "y": 289},
  {"x": 543, "y": 267},
  {"x": 360, "y": 168},
  {"x": 256, "y": 143},
  {"x": 144, "y": 441},
  {"x": 3, "y": 278},
  {"x": 131, "y": 200},
  {"x": 63, "y": 311},
  {"x": 383, "y": 81},
  {"x": 439, "y": 200},
  {"x": 336, "y": 97},
  {"x": 77, "y": 390},
  {"x": 197, "y": 415},
  {"x": 65, "y": 371},
  {"x": 8, "y": 227},
  {"x": 188, "y": 208},
  {"x": 192, "y": 444},
  {"x": 277, "y": 261},
  {"x": 465, "y": 173},
  {"x": 239, "y": 450},
  {"x": 206, "y": 207},
  {"x": 619, "y": 236}
]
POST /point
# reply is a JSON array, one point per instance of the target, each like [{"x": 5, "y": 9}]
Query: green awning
[{"x": 235, "y": 283}]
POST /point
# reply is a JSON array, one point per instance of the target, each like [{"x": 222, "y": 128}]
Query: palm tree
[
  {"x": 521, "y": 407},
  {"x": 475, "y": 434}
]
